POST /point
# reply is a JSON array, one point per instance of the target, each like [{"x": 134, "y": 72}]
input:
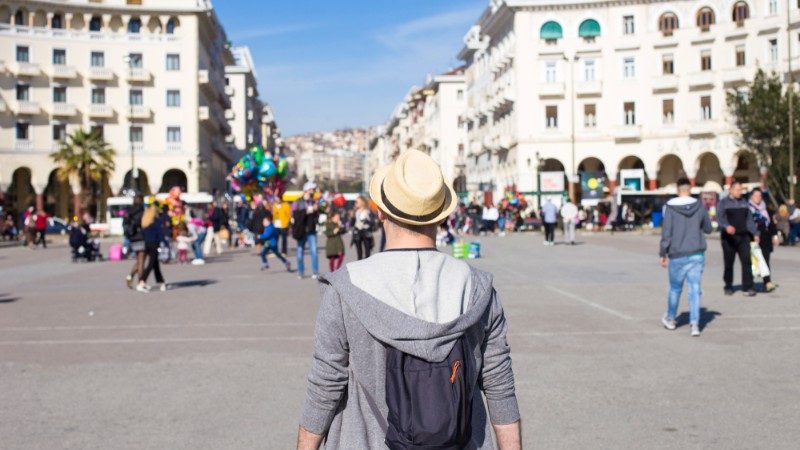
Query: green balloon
[
  {"x": 283, "y": 167},
  {"x": 258, "y": 154}
]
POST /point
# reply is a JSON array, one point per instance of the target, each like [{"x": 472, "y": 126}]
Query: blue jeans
[
  {"x": 266, "y": 249},
  {"x": 688, "y": 269},
  {"x": 197, "y": 246},
  {"x": 311, "y": 240}
]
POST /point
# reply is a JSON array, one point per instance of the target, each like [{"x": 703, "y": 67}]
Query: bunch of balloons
[
  {"x": 173, "y": 201},
  {"x": 260, "y": 173},
  {"x": 514, "y": 199}
]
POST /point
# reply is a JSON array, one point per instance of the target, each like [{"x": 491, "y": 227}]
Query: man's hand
[
  {"x": 730, "y": 230},
  {"x": 663, "y": 261},
  {"x": 307, "y": 440},
  {"x": 509, "y": 437}
]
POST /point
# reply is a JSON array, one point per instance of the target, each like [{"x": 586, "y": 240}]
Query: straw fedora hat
[{"x": 412, "y": 190}]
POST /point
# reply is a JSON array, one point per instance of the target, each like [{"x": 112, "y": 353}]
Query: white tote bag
[{"x": 760, "y": 267}]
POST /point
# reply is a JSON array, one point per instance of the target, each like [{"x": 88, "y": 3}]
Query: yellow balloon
[{"x": 592, "y": 183}]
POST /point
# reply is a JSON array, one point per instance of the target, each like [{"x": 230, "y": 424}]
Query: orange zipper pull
[{"x": 456, "y": 365}]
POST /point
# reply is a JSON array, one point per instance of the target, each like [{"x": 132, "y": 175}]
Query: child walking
[
  {"x": 270, "y": 239},
  {"x": 334, "y": 247},
  {"x": 184, "y": 243}
]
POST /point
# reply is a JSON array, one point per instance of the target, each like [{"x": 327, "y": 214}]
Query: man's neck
[{"x": 409, "y": 243}]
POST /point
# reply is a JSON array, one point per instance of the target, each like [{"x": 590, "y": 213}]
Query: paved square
[{"x": 219, "y": 362}]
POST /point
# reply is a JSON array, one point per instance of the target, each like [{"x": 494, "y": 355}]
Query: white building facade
[
  {"x": 604, "y": 86},
  {"x": 444, "y": 104},
  {"x": 241, "y": 86},
  {"x": 147, "y": 75}
]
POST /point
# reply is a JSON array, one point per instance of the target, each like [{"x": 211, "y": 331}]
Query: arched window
[
  {"x": 551, "y": 31},
  {"x": 57, "y": 21},
  {"x": 705, "y": 18},
  {"x": 135, "y": 25},
  {"x": 171, "y": 26},
  {"x": 667, "y": 23},
  {"x": 741, "y": 12},
  {"x": 95, "y": 24},
  {"x": 19, "y": 18},
  {"x": 589, "y": 29}
]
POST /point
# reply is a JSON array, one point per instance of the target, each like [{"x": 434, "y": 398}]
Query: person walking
[
  {"x": 362, "y": 229},
  {"x": 767, "y": 232},
  {"x": 334, "y": 245},
  {"x": 474, "y": 213},
  {"x": 683, "y": 246},
  {"x": 184, "y": 242},
  {"x": 153, "y": 231},
  {"x": 215, "y": 220},
  {"x": 40, "y": 221},
  {"x": 569, "y": 217},
  {"x": 132, "y": 228},
  {"x": 270, "y": 239},
  {"x": 549, "y": 220},
  {"x": 410, "y": 342},
  {"x": 738, "y": 228},
  {"x": 282, "y": 218},
  {"x": 304, "y": 230},
  {"x": 197, "y": 231}
]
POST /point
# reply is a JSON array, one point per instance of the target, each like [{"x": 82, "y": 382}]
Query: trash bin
[{"x": 657, "y": 218}]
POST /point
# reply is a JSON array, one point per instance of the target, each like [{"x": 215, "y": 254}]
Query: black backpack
[
  {"x": 131, "y": 226},
  {"x": 430, "y": 404},
  {"x": 298, "y": 223}
]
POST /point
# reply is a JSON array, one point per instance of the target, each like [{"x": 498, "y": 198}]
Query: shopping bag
[{"x": 758, "y": 263}]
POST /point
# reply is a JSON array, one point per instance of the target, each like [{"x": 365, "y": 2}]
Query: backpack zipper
[{"x": 456, "y": 365}]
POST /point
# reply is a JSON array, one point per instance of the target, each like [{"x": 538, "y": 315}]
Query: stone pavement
[{"x": 219, "y": 361}]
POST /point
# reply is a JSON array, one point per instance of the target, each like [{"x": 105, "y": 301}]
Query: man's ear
[{"x": 381, "y": 215}]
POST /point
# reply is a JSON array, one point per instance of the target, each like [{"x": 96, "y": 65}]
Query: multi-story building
[
  {"x": 335, "y": 159},
  {"x": 241, "y": 86},
  {"x": 149, "y": 76},
  {"x": 603, "y": 86},
  {"x": 444, "y": 138}
]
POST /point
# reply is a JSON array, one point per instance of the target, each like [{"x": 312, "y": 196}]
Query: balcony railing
[
  {"x": 704, "y": 78},
  {"x": 62, "y": 33},
  {"x": 101, "y": 73},
  {"x": 628, "y": 132},
  {"x": 204, "y": 113},
  {"x": 101, "y": 111},
  {"x": 737, "y": 75},
  {"x": 26, "y": 69},
  {"x": 27, "y": 107},
  {"x": 23, "y": 145},
  {"x": 138, "y": 112},
  {"x": 173, "y": 146},
  {"x": 702, "y": 127},
  {"x": 551, "y": 89},
  {"x": 589, "y": 88},
  {"x": 64, "y": 110},
  {"x": 138, "y": 75},
  {"x": 665, "y": 83},
  {"x": 135, "y": 147},
  {"x": 230, "y": 114},
  {"x": 63, "y": 72},
  {"x": 3, "y": 106},
  {"x": 229, "y": 91}
]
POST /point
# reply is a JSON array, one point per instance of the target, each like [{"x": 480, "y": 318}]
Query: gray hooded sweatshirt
[
  {"x": 684, "y": 228},
  {"x": 419, "y": 302}
]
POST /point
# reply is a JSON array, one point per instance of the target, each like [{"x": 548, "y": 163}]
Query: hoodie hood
[
  {"x": 685, "y": 206},
  {"x": 424, "y": 339}
]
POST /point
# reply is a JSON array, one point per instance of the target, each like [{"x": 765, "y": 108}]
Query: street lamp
[
  {"x": 792, "y": 178},
  {"x": 134, "y": 173},
  {"x": 571, "y": 179},
  {"x": 539, "y": 168}
]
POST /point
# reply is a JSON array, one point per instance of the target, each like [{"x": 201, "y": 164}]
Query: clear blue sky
[{"x": 326, "y": 64}]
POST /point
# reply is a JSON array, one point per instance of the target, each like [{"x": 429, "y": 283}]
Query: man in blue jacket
[{"x": 683, "y": 247}]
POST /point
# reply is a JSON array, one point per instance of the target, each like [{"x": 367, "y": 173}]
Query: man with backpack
[
  {"x": 304, "y": 229},
  {"x": 410, "y": 342}
]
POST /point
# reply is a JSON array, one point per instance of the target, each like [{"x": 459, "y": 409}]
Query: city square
[{"x": 219, "y": 360}]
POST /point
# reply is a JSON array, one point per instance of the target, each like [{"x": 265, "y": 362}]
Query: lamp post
[
  {"x": 792, "y": 178},
  {"x": 539, "y": 167},
  {"x": 134, "y": 172},
  {"x": 571, "y": 62}
]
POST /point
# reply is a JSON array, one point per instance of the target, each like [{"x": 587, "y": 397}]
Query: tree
[
  {"x": 761, "y": 115},
  {"x": 87, "y": 158}
]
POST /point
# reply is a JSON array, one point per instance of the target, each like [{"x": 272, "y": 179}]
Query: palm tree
[{"x": 87, "y": 157}]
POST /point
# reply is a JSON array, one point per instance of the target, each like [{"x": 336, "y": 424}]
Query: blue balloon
[{"x": 268, "y": 169}]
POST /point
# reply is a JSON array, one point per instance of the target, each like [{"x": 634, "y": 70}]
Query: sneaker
[
  {"x": 695, "y": 330},
  {"x": 315, "y": 276},
  {"x": 545, "y": 243},
  {"x": 668, "y": 323},
  {"x": 264, "y": 267},
  {"x": 129, "y": 281},
  {"x": 163, "y": 287},
  {"x": 143, "y": 288},
  {"x": 769, "y": 287},
  {"x": 288, "y": 266},
  {"x": 300, "y": 276},
  {"x": 750, "y": 293},
  {"x": 728, "y": 291},
  {"x": 198, "y": 262}
]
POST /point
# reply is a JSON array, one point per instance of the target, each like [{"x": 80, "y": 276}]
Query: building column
[
  {"x": 39, "y": 188},
  {"x": 728, "y": 171},
  {"x": 76, "y": 200}
]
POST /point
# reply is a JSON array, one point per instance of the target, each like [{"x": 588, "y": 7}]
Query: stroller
[{"x": 82, "y": 247}]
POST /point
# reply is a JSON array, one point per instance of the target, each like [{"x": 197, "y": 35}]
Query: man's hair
[
  {"x": 736, "y": 183},
  {"x": 425, "y": 230},
  {"x": 684, "y": 185}
]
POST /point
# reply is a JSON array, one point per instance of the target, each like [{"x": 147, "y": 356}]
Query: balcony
[
  {"x": 101, "y": 111},
  {"x": 700, "y": 128},
  {"x": 737, "y": 76},
  {"x": 551, "y": 89},
  {"x": 664, "y": 83},
  {"x": 204, "y": 113},
  {"x": 139, "y": 112},
  {"x": 3, "y": 106},
  {"x": 63, "y": 72},
  {"x": 26, "y": 69},
  {"x": 23, "y": 145},
  {"x": 229, "y": 91},
  {"x": 100, "y": 74},
  {"x": 700, "y": 80},
  {"x": 173, "y": 146},
  {"x": 27, "y": 107},
  {"x": 628, "y": 133},
  {"x": 135, "y": 147},
  {"x": 138, "y": 75},
  {"x": 589, "y": 88},
  {"x": 64, "y": 110},
  {"x": 229, "y": 114},
  {"x": 225, "y": 101}
]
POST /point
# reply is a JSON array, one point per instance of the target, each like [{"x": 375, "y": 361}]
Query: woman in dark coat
[
  {"x": 767, "y": 230},
  {"x": 334, "y": 246}
]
